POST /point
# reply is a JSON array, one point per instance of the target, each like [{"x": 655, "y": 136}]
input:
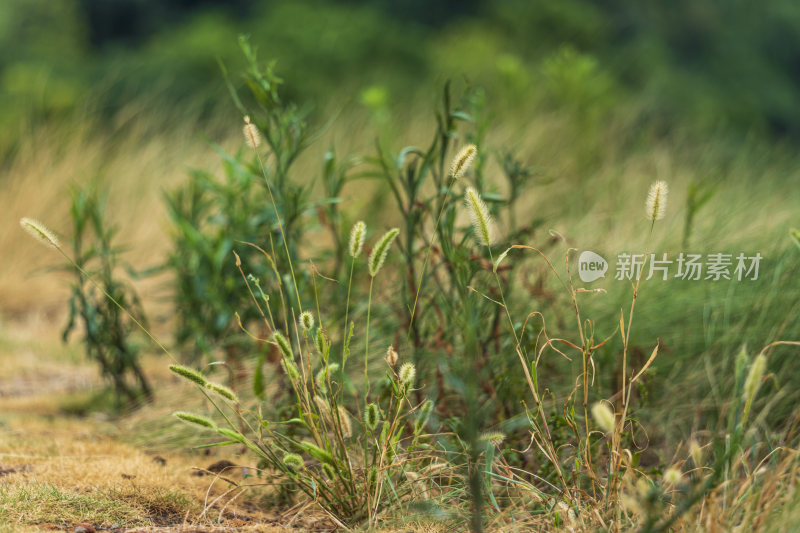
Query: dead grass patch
[{"x": 67, "y": 470}]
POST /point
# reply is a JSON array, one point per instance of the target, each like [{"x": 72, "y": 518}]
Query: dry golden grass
[
  {"x": 63, "y": 472},
  {"x": 67, "y": 465},
  {"x": 59, "y": 469}
]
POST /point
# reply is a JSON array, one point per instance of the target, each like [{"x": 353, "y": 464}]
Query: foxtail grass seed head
[
  {"x": 495, "y": 437},
  {"x": 672, "y": 476},
  {"x": 231, "y": 434},
  {"x": 197, "y": 420},
  {"x": 407, "y": 374},
  {"x": 323, "y": 407},
  {"x": 306, "y": 321},
  {"x": 223, "y": 391},
  {"x": 188, "y": 373},
  {"x": 631, "y": 505},
  {"x": 372, "y": 416},
  {"x": 463, "y": 161},
  {"x": 436, "y": 467},
  {"x": 252, "y": 137},
  {"x": 380, "y": 251},
  {"x": 604, "y": 417},
  {"x": 754, "y": 377},
  {"x": 656, "y": 205},
  {"x": 384, "y": 432},
  {"x": 357, "y": 236},
  {"x": 317, "y": 452},
  {"x": 291, "y": 369},
  {"x": 283, "y": 345},
  {"x": 39, "y": 232},
  {"x": 696, "y": 453},
  {"x": 391, "y": 356},
  {"x": 293, "y": 462},
  {"x": 344, "y": 420},
  {"x": 479, "y": 213},
  {"x": 644, "y": 487},
  {"x": 320, "y": 342},
  {"x": 322, "y": 376}
]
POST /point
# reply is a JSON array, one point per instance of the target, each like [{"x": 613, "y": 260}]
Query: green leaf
[
  {"x": 499, "y": 259},
  {"x": 487, "y": 474},
  {"x": 224, "y": 443}
]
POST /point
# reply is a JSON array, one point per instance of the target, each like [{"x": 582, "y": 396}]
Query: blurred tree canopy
[{"x": 711, "y": 64}]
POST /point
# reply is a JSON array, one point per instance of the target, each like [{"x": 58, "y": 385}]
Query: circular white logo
[{"x": 591, "y": 266}]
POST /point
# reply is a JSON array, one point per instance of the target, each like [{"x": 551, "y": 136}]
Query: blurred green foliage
[
  {"x": 709, "y": 64},
  {"x": 95, "y": 305}
]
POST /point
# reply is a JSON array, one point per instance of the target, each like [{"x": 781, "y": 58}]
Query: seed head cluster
[
  {"x": 372, "y": 416},
  {"x": 344, "y": 421},
  {"x": 656, "y": 205},
  {"x": 391, "y": 356},
  {"x": 223, "y": 391},
  {"x": 306, "y": 321},
  {"x": 293, "y": 462},
  {"x": 39, "y": 232},
  {"x": 407, "y": 374},
  {"x": 251, "y": 135},
  {"x": 283, "y": 345},
  {"x": 190, "y": 374},
  {"x": 754, "y": 377},
  {"x": 495, "y": 437},
  {"x": 602, "y": 414},
  {"x": 291, "y": 369},
  {"x": 195, "y": 419},
  {"x": 321, "y": 342},
  {"x": 381, "y": 250},
  {"x": 357, "y": 235},
  {"x": 463, "y": 161},
  {"x": 479, "y": 213}
]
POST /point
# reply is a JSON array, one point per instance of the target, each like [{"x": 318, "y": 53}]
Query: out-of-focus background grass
[
  {"x": 599, "y": 98},
  {"x": 127, "y": 91}
]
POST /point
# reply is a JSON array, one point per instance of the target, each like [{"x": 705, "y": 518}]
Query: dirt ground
[{"x": 67, "y": 464}]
